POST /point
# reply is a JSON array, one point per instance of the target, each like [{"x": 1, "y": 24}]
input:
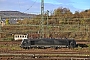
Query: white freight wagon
[{"x": 20, "y": 36}]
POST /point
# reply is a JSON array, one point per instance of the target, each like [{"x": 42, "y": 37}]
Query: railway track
[
  {"x": 83, "y": 41},
  {"x": 18, "y": 42},
  {"x": 48, "y": 58},
  {"x": 47, "y": 51},
  {"x": 21, "y": 50},
  {"x": 18, "y": 52},
  {"x": 43, "y": 56},
  {"x": 10, "y": 42}
]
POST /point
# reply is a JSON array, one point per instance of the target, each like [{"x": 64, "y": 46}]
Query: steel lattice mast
[{"x": 42, "y": 20}]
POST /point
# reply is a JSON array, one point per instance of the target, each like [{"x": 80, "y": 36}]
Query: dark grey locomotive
[{"x": 44, "y": 43}]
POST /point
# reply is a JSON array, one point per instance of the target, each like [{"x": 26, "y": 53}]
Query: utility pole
[
  {"x": 47, "y": 24},
  {"x": 47, "y": 16},
  {"x": 0, "y": 23},
  {"x": 42, "y": 20},
  {"x": 0, "y": 27}
]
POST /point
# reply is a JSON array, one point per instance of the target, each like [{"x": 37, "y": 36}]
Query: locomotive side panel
[
  {"x": 42, "y": 43},
  {"x": 61, "y": 42},
  {"x": 48, "y": 43}
]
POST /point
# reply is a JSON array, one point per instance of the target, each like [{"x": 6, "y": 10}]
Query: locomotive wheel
[
  {"x": 44, "y": 47},
  {"x": 71, "y": 45},
  {"x": 55, "y": 48}
]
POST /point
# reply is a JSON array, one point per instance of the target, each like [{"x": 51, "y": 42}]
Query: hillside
[
  {"x": 78, "y": 32},
  {"x": 61, "y": 24},
  {"x": 14, "y": 14}
]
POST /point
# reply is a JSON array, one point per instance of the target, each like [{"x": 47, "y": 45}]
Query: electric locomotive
[{"x": 48, "y": 43}]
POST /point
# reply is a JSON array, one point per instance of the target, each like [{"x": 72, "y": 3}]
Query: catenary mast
[{"x": 42, "y": 20}]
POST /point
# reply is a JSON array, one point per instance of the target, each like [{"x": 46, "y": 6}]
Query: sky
[{"x": 34, "y": 6}]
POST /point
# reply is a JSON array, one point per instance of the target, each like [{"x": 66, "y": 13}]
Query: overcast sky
[{"x": 33, "y": 6}]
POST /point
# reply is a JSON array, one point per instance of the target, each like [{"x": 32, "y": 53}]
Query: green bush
[
  {"x": 8, "y": 39},
  {"x": 89, "y": 46}
]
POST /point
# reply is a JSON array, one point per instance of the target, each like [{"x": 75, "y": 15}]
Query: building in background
[{"x": 13, "y": 16}]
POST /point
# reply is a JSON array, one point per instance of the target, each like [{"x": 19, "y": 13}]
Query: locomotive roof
[{"x": 50, "y": 39}]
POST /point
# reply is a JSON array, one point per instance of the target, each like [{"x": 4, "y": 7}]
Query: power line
[
  {"x": 30, "y": 6},
  {"x": 19, "y": 4}
]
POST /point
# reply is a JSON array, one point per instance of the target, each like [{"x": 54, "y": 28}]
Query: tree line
[{"x": 60, "y": 16}]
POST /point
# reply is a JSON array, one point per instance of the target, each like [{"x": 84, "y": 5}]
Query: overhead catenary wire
[
  {"x": 30, "y": 6},
  {"x": 19, "y": 4}
]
